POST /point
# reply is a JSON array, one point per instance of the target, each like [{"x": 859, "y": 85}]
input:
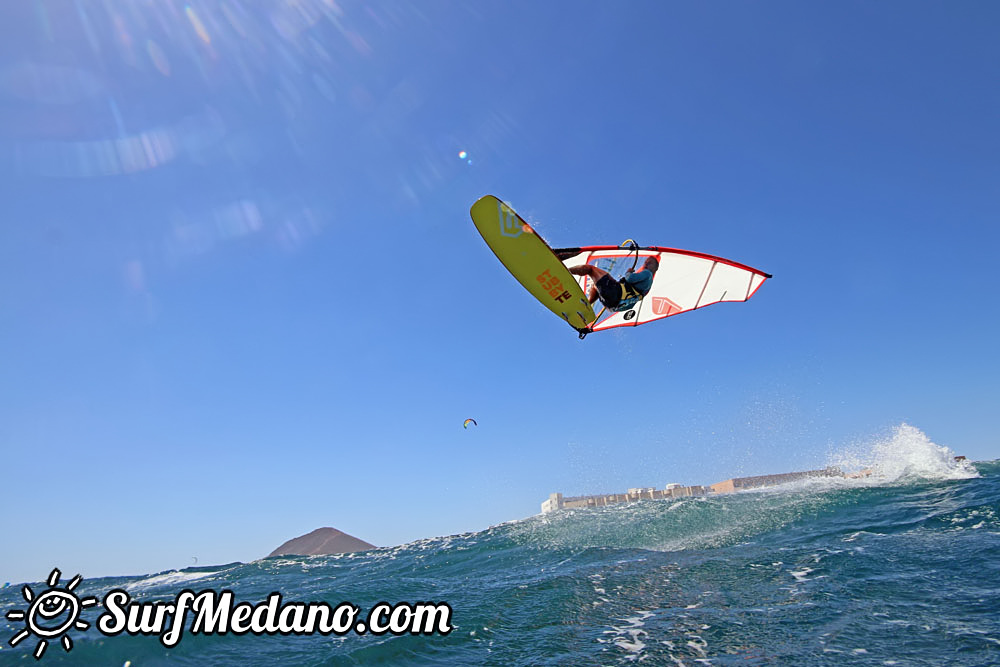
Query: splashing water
[{"x": 905, "y": 455}]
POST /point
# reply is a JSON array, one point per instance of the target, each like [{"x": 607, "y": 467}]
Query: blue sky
[{"x": 241, "y": 296}]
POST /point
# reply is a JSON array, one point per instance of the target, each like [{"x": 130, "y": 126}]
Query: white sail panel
[{"x": 726, "y": 283}]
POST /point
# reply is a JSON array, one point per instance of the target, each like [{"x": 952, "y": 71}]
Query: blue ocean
[{"x": 897, "y": 568}]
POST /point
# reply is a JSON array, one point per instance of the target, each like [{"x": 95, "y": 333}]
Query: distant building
[
  {"x": 742, "y": 483},
  {"x": 557, "y": 501}
]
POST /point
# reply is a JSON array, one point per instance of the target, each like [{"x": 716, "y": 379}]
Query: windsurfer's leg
[{"x": 588, "y": 270}]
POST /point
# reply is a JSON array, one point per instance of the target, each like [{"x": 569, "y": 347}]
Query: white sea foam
[
  {"x": 169, "y": 579},
  {"x": 629, "y": 637},
  {"x": 801, "y": 575}
]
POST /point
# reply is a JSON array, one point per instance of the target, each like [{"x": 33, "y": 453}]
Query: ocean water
[{"x": 901, "y": 568}]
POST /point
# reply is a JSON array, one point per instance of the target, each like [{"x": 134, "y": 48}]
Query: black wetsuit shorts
[{"x": 610, "y": 291}]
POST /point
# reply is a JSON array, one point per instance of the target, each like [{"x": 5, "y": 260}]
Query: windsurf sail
[{"x": 685, "y": 281}]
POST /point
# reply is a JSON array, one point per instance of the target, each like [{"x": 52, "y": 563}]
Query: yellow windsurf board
[{"x": 531, "y": 261}]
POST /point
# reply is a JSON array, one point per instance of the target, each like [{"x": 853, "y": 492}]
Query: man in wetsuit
[{"x": 619, "y": 295}]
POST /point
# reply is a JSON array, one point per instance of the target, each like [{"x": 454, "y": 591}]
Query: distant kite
[{"x": 469, "y": 421}]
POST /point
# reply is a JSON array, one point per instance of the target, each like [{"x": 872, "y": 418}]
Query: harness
[{"x": 629, "y": 297}]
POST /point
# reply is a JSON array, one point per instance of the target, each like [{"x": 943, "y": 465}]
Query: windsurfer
[{"x": 618, "y": 295}]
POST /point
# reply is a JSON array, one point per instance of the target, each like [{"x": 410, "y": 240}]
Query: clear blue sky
[{"x": 241, "y": 296}]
